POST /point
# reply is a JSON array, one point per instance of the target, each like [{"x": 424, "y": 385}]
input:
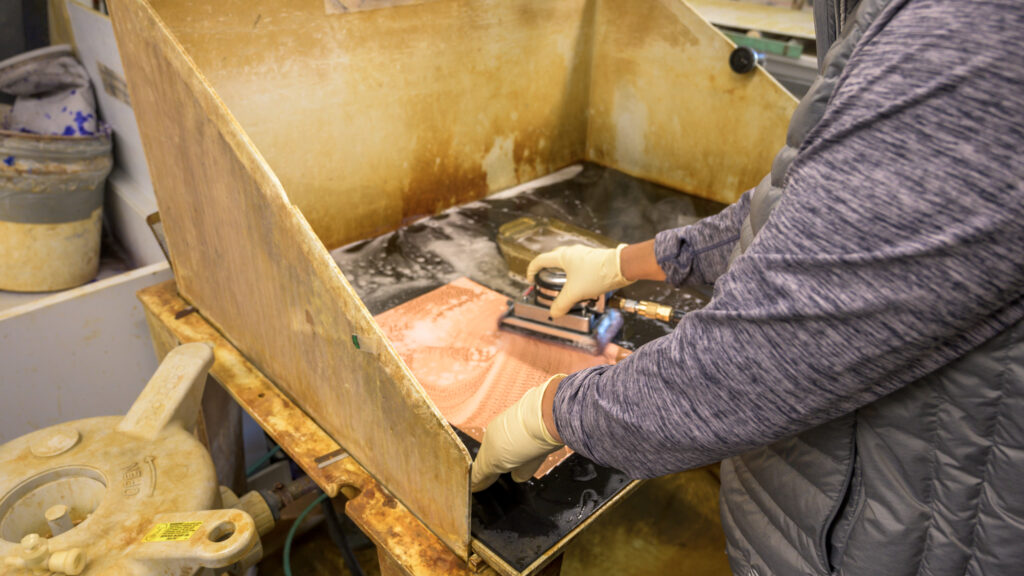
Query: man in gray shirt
[{"x": 860, "y": 368}]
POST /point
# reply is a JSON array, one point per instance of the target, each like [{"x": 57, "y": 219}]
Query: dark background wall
[{"x": 22, "y": 27}]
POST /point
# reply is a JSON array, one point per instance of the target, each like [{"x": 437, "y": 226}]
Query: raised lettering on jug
[{"x": 131, "y": 479}]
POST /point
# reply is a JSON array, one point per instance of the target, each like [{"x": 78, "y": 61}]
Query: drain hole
[
  {"x": 221, "y": 532},
  {"x": 23, "y": 511}
]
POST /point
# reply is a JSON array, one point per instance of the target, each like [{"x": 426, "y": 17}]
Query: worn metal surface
[
  {"x": 404, "y": 544},
  {"x": 383, "y": 518},
  {"x": 247, "y": 258},
  {"x": 359, "y": 158},
  {"x": 372, "y": 118},
  {"x": 173, "y": 321},
  {"x": 665, "y": 106}
]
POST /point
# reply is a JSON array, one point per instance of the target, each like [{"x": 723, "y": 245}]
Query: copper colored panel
[{"x": 471, "y": 370}]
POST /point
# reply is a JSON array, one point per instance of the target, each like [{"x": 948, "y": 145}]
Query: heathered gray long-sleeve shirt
[{"x": 897, "y": 247}]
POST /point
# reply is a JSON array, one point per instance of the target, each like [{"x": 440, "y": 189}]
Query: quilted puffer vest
[{"x": 924, "y": 481}]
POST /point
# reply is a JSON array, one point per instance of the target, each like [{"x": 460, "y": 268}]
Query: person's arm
[
  {"x": 699, "y": 253},
  {"x": 695, "y": 254},
  {"x": 895, "y": 250},
  {"x": 639, "y": 262}
]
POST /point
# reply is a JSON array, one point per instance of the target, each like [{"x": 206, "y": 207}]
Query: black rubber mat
[{"x": 520, "y": 522}]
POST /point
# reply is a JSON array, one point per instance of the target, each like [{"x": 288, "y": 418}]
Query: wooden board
[
  {"x": 248, "y": 259},
  {"x": 666, "y": 107}
]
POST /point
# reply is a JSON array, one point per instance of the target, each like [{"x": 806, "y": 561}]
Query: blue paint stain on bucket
[
  {"x": 9, "y": 160},
  {"x": 81, "y": 119}
]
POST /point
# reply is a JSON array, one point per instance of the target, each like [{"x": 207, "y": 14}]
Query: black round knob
[{"x": 744, "y": 59}]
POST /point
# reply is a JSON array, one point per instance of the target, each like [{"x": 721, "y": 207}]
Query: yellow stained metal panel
[
  {"x": 248, "y": 259},
  {"x": 665, "y": 106},
  {"x": 274, "y": 131}
]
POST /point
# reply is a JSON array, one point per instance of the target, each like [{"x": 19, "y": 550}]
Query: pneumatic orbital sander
[{"x": 590, "y": 324}]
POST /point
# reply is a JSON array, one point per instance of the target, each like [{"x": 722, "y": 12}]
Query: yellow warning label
[{"x": 172, "y": 531}]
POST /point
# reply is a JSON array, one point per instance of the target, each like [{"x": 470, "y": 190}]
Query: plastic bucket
[{"x": 51, "y": 209}]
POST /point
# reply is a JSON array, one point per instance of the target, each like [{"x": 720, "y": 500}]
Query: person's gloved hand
[
  {"x": 516, "y": 441},
  {"x": 589, "y": 272}
]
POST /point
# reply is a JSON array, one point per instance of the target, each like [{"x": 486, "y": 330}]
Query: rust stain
[
  {"x": 440, "y": 179},
  {"x": 382, "y": 517},
  {"x": 657, "y": 22},
  {"x": 436, "y": 84},
  {"x": 407, "y": 542},
  {"x": 343, "y": 154},
  {"x": 259, "y": 243}
]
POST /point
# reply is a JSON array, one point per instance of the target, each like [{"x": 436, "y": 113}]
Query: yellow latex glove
[
  {"x": 516, "y": 441},
  {"x": 589, "y": 272}
]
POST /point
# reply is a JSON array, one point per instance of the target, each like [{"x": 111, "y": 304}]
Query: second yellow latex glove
[
  {"x": 589, "y": 272},
  {"x": 515, "y": 441}
]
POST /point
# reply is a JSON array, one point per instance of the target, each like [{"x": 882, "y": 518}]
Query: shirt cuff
[{"x": 674, "y": 254}]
